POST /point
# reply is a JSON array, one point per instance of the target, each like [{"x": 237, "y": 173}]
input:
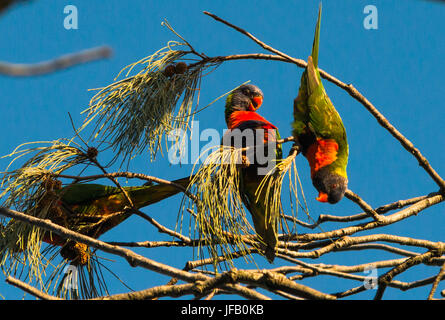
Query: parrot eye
[{"x": 334, "y": 186}]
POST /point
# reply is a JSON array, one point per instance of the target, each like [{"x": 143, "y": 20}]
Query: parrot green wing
[
  {"x": 86, "y": 192},
  {"x": 301, "y": 110},
  {"x": 323, "y": 117},
  {"x": 86, "y": 205}
]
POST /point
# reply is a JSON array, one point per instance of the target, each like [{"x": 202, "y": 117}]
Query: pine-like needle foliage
[
  {"x": 221, "y": 221},
  {"x": 32, "y": 189},
  {"x": 136, "y": 112},
  {"x": 220, "y": 217},
  {"x": 271, "y": 186}
]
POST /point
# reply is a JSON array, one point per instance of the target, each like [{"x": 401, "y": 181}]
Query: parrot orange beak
[
  {"x": 322, "y": 197},
  {"x": 257, "y": 102}
]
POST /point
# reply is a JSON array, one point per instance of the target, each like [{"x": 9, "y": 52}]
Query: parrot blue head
[
  {"x": 331, "y": 186},
  {"x": 247, "y": 97}
]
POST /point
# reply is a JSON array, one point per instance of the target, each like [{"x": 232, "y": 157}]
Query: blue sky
[{"x": 398, "y": 67}]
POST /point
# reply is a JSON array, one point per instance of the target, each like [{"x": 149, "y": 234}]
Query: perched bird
[
  {"x": 240, "y": 113},
  {"x": 93, "y": 209},
  {"x": 319, "y": 129}
]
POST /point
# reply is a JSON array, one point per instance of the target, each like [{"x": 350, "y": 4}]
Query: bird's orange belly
[{"x": 321, "y": 153}]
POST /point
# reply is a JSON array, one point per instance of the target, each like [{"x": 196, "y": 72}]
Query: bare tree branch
[
  {"x": 60, "y": 63},
  {"x": 385, "y": 279},
  {"x": 439, "y": 277},
  {"x": 398, "y": 216},
  {"x": 366, "y": 207},
  {"x": 132, "y": 258},
  {"x": 29, "y": 289}
]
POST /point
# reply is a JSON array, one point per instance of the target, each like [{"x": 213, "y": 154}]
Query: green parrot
[
  {"x": 240, "y": 113},
  {"x": 319, "y": 129},
  {"x": 93, "y": 209}
]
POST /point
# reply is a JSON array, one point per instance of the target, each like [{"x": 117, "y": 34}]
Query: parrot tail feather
[
  {"x": 315, "y": 45},
  {"x": 265, "y": 226}
]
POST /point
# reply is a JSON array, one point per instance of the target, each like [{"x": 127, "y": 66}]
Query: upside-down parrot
[
  {"x": 240, "y": 113},
  {"x": 93, "y": 209},
  {"x": 319, "y": 129}
]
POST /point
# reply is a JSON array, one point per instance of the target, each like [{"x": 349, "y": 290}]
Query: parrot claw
[{"x": 244, "y": 161}]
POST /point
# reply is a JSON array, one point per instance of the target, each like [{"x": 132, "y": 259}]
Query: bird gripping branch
[{"x": 319, "y": 129}]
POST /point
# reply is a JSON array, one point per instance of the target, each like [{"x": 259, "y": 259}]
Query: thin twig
[
  {"x": 63, "y": 62},
  {"x": 30, "y": 289},
  {"x": 355, "y": 217},
  {"x": 436, "y": 281},
  {"x": 385, "y": 279},
  {"x": 251, "y": 36},
  {"x": 163, "y": 229},
  {"x": 393, "y": 218},
  {"x": 366, "y": 207}
]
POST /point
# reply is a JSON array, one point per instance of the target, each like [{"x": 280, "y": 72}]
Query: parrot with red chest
[
  {"x": 319, "y": 129},
  {"x": 240, "y": 114}
]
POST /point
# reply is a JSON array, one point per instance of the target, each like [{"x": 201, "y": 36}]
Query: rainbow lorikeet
[
  {"x": 93, "y": 209},
  {"x": 240, "y": 113},
  {"x": 319, "y": 129}
]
